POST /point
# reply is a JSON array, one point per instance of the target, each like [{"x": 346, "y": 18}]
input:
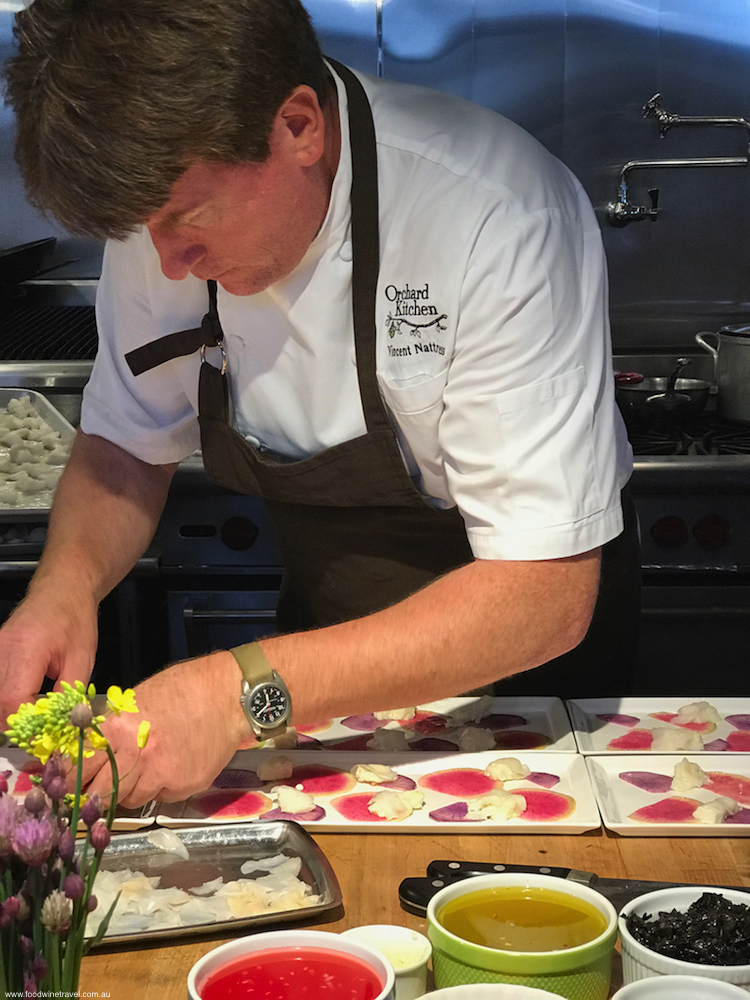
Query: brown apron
[{"x": 354, "y": 532}]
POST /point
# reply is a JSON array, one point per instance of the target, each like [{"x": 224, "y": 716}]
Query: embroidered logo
[{"x": 408, "y": 302}]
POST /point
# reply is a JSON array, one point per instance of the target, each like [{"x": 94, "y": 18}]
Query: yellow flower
[
  {"x": 121, "y": 701},
  {"x": 97, "y": 742},
  {"x": 143, "y": 732}
]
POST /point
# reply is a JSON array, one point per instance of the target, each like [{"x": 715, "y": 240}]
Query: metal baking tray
[
  {"x": 216, "y": 851},
  {"x": 57, "y": 422}
]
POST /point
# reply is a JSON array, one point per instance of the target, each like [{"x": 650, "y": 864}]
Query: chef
[{"x": 379, "y": 308}]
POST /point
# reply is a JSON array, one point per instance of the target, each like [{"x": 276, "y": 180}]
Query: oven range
[{"x": 213, "y": 571}]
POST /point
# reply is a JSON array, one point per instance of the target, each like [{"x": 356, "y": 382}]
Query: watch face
[{"x": 269, "y": 704}]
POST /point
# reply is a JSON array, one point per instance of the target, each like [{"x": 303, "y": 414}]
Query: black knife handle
[
  {"x": 452, "y": 869},
  {"x": 415, "y": 893}
]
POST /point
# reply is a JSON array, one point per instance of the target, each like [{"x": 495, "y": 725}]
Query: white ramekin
[
  {"x": 226, "y": 953},
  {"x": 639, "y": 962},
  {"x": 407, "y": 950},
  {"x": 680, "y": 988}
]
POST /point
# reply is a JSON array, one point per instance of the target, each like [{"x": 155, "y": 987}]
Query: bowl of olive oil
[{"x": 531, "y": 930}]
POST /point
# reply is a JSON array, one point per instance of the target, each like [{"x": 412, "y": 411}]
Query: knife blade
[{"x": 416, "y": 893}]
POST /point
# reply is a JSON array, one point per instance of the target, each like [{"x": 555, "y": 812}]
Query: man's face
[{"x": 246, "y": 226}]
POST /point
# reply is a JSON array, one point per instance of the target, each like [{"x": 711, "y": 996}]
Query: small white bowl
[
  {"x": 406, "y": 950},
  {"x": 680, "y": 988},
  {"x": 227, "y": 953},
  {"x": 492, "y": 991},
  {"x": 640, "y": 962}
]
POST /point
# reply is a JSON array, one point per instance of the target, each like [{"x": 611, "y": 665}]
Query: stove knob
[
  {"x": 239, "y": 533},
  {"x": 669, "y": 532},
  {"x": 712, "y": 531}
]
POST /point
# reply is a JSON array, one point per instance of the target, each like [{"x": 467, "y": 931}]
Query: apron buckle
[{"x": 220, "y": 345}]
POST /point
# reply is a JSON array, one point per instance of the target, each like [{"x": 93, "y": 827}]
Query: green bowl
[{"x": 581, "y": 973}]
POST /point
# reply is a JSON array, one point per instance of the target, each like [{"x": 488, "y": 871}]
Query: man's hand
[
  {"x": 48, "y": 634},
  {"x": 197, "y": 725}
]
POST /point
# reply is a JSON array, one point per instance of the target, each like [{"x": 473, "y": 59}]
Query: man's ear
[{"x": 300, "y": 125}]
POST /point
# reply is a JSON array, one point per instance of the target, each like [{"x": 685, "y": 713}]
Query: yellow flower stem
[
  {"x": 79, "y": 782},
  {"x": 115, "y": 784}
]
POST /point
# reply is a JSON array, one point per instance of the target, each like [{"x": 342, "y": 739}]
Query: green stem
[
  {"x": 3, "y": 981},
  {"x": 55, "y": 962},
  {"x": 79, "y": 782},
  {"x": 115, "y": 786}
]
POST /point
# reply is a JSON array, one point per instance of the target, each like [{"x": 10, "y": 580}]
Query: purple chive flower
[
  {"x": 10, "y": 813},
  {"x": 24, "y": 911},
  {"x": 53, "y": 769},
  {"x": 39, "y": 968},
  {"x": 100, "y": 836},
  {"x": 56, "y": 789},
  {"x": 12, "y": 906},
  {"x": 27, "y": 946},
  {"x": 29, "y": 986},
  {"x": 81, "y": 715},
  {"x": 35, "y": 801},
  {"x": 66, "y": 845},
  {"x": 74, "y": 886},
  {"x": 34, "y": 840},
  {"x": 91, "y": 904},
  {"x": 91, "y": 811}
]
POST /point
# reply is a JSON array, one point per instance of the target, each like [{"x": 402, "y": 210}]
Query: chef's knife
[{"x": 416, "y": 893}]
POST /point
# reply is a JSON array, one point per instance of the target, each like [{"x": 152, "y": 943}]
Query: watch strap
[
  {"x": 253, "y": 663},
  {"x": 255, "y": 670}
]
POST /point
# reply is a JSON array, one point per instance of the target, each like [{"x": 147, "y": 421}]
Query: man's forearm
[
  {"x": 484, "y": 621},
  {"x": 107, "y": 506}
]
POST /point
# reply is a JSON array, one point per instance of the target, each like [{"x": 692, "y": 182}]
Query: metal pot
[
  {"x": 731, "y": 370},
  {"x": 662, "y": 402}
]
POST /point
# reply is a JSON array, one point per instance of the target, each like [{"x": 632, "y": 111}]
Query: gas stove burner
[{"x": 706, "y": 435}]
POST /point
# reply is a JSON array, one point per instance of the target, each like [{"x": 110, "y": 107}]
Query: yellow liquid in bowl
[{"x": 518, "y": 918}]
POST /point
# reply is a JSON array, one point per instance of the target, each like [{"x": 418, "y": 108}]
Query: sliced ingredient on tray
[
  {"x": 334, "y": 791},
  {"x": 32, "y": 455},
  {"x": 696, "y": 727},
  {"x": 738, "y": 742},
  {"x": 673, "y": 810},
  {"x": 667, "y": 726},
  {"x": 229, "y": 804},
  {"x": 468, "y": 724},
  {"x": 465, "y": 782},
  {"x": 274, "y": 886},
  {"x": 674, "y": 791},
  {"x": 619, "y": 720}
]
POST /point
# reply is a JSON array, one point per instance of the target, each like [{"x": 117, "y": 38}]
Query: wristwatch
[{"x": 265, "y": 698}]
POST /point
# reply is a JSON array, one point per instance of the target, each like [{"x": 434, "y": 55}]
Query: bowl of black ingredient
[{"x": 689, "y": 931}]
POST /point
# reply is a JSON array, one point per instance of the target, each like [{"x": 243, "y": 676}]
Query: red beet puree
[{"x": 293, "y": 974}]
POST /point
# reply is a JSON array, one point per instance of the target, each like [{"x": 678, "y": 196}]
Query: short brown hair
[{"x": 114, "y": 99}]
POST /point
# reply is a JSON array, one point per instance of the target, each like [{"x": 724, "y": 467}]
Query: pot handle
[{"x": 713, "y": 351}]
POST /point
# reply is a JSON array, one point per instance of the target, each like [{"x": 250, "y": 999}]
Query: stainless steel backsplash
[{"x": 575, "y": 73}]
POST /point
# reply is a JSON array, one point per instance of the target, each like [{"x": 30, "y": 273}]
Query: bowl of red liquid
[{"x": 292, "y": 965}]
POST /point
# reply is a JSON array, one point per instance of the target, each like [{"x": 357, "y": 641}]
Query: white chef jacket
[{"x": 493, "y": 351}]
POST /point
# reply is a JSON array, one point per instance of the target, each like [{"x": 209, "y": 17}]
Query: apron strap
[
  {"x": 180, "y": 344},
  {"x": 365, "y": 245}
]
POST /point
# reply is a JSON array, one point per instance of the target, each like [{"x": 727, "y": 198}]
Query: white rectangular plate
[
  {"x": 528, "y": 725},
  {"x": 569, "y": 768},
  {"x": 618, "y": 799},
  {"x": 593, "y": 735},
  {"x": 20, "y": 764}
]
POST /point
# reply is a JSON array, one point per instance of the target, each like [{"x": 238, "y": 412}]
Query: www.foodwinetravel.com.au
[{"x": 56, "y": 993}]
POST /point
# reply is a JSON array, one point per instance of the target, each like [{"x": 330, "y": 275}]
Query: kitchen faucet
[{"x": 623, "y": 211}]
